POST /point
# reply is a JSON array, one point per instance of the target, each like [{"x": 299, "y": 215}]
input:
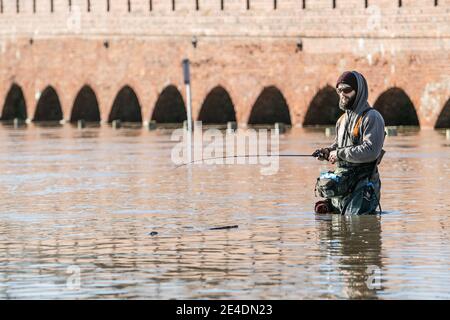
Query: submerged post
[
  {"x": 116, "y": 124},
  {"x": 280, "y": 126},
  {"x": 17, "y": 122},
  {"x": 81, "y": 124},
  {"x": 187, "y": 82},
  {"x": 151, "y": 125},
  {"x": 231, "y": 126}
]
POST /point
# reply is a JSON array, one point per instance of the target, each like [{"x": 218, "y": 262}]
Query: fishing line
[{"x": 247, "y": 156}]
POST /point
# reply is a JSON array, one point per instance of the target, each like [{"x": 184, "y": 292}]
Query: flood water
[{"x": 84, "y": 202}]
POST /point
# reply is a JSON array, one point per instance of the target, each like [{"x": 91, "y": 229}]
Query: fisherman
[{"x": 354, "y": 187}]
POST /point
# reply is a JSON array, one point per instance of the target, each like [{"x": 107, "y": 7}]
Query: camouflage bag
[{"x": 336, "y": 183}]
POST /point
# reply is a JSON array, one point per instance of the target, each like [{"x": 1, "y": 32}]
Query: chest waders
[{"x": 366, "y": 189}]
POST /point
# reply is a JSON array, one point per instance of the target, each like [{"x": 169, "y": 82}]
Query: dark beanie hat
[{"x": 348, "y": 78}]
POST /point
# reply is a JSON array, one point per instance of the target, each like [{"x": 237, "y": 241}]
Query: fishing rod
[{"x": 315, "y": 154}]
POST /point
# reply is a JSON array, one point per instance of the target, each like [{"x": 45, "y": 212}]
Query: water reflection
[
  {"x": 356, "y": 241},
  {"x": 89, "y": 198}
]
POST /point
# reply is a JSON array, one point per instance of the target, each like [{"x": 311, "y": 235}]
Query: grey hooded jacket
[{"x": 371, "y": 132}]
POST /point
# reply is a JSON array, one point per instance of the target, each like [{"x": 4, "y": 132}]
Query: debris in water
[
  {"x": 224, "y": 228},
  {"x": 153, "y": 233}
]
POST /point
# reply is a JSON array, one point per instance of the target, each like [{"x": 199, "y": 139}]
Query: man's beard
[{"x": 346, "y": 103}]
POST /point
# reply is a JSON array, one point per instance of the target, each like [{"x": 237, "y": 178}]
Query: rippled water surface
[{"x": 84, "y": 202}]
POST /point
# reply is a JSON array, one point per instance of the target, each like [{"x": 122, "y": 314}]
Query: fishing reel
[
  {"x": 317, "y": 154},
  {"x": 323, "y": 153}
]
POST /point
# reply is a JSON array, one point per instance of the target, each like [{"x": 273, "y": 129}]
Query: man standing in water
[{"x": 354, "y": 187}]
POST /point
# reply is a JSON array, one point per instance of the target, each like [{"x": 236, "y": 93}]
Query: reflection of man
[
  {"x": 354, "y": 187},
  {"x": 354, "y": 243}
]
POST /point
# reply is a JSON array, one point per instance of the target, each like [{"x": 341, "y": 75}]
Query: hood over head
[{"x": 360, "y": 104}]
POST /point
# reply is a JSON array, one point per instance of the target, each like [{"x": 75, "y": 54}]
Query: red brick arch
[
  {"x": 443, "y": 120},
  {"x": 170, "y": 106},
  {"x": 323, "y": 108},
  {"x": 48, "y": 107},
  {"x": 217, "y": 107},
  {"x": 396, "y": 108},
  {"x": 85, "y": 106},
  {"x": 270, "y": 107},
  {"x": 14, "y": 105},
  {"x": 126, "y": 106}
]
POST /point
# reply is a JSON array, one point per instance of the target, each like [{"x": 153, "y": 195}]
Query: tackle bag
[{"x": 332, "y": 184}]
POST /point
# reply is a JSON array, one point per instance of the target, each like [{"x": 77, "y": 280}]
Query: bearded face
[{"x": 346, "y": 96}]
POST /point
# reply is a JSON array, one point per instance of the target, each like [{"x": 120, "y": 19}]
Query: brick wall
[
  {"x": 382, "y": 18},
  {"x": 243, "y": 50}
]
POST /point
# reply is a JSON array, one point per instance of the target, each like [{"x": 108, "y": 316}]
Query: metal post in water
[
  {"x": 17, "y": 122},
  {"x": 116, "y": 124},
  {"x": 81, "y": 124},
  {"x": 280, "y": 126},
  {"x": 231, "y": 126},
  {"x": 151, "y": 125},
  {"x": 187, "y": 82}
]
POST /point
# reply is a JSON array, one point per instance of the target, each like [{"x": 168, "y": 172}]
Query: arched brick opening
[
  {"x": 48, "y": 107},
  {"x": 217, "y": 108},
  {"x": 324, "y": 108},
  {"x": 270, "y": 107},
  {"x": 396, "y": 108},
  {"x": 85, "y": 106},
  {"x": 443, "y": 120},
  {"x": 126, "y": 106},
  {"x": 169, "y": 107},
  {"x": 14, "y": 106}
]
